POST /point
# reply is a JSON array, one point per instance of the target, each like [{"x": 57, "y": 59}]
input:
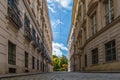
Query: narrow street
[{"x": 69, "y": 76}]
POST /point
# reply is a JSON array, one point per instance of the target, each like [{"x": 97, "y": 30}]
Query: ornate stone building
[
  {"x": 25, "y": 36},
  {"x": 96, "y": 30}
]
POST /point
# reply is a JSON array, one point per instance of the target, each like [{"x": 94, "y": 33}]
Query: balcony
[
  {"x": 14, "y": 13},
  {"x": 27, "y": 33},
  {"x": 34, "y": 42},
  {"x": 40, "y": 47}
]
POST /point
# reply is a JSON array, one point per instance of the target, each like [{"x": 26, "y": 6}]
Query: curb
[{"x": 21, "y": 74}]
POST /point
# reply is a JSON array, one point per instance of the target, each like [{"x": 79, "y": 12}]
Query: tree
[
  {"x": 60, "y": 63},
  {"x": 65, "y": 66}
]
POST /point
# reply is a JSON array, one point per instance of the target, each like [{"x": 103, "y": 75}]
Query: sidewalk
[{"x": 18, "y": 75}]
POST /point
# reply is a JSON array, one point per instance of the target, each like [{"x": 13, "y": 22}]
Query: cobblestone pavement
[{"x": 69, "y": 76}]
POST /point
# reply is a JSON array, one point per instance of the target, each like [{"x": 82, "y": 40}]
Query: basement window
[{"x": 12, "y": 70}]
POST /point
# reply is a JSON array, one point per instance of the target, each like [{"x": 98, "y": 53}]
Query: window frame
[
  {"x": 38, "y": 64},
  {"x": 95, "y": 57},
  {"x": 86, "y": 63},
  {"x": 94, "y": 23},
  {"x": 33, "y": 62},
  {"x": 26, "y": 59},
  {"x": 11, "y": 53},
  {"x": 110, "y": 47},
  {"x": 109, "y": 11}
]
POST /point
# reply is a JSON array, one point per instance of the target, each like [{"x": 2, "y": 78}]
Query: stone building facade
[
  {"x": 25, "y": 36},
  {"x": 96, "y": 30}
]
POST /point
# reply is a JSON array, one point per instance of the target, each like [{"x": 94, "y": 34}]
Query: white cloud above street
[
  {"x": 52, "y": 7},
  {"x": 56, "y": 23},
  {"x": 53, "y": 4},
  {"x": 58, "y": 48},
  {"x": 65, "y": 3}
]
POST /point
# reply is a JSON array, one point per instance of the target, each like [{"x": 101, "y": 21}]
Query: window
[
  {"x": 26, "y": 59},
  {"x": 42, "y": 66},
  {"x": 11, "y": 53},
  {"x": 95, "y": 56},
  {"x": 33, "y": 33},
  {"x": 33, "y": 62},
  {"x": 110, "y": 51},
  {"x": 33, "y": 5},
  {"x": 37, "y": 64},
  {"x": 85, "y": 60},
  {"x": 26, "y": 71},
  {"x": 26, "y": 22},
  {"x": 27, "y": 27},
  {"x": 12, "y": 70},
  {"x": 109, "y": 11},
  {"x": 94, "y": 24},
  {"x": 38, "y": 39}
]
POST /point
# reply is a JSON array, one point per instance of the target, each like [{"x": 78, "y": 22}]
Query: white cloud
[
  {"x": 51, "y": 9},
  {"x": 63, "y": 3},
  {"x": 56, "y": 23},
  {"x": 58, "y": 48}
]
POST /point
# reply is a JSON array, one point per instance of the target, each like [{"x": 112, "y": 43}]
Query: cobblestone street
[{"x": 69, "y": 76}]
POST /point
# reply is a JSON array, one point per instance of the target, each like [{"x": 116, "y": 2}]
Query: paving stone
[{"x": 69, "y": 76}]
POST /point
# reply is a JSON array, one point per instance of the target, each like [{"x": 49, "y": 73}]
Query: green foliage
[{"x": 60, "y": 63}]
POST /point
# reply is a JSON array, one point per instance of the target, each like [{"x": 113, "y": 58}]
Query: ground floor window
[
  {"x": 37, "y": 64},
  {"x": 95, "y": 56},
  {"x": 33, "y": 62},
  {"x": 110, "y": 51},
  {"x": 85, "y": 60},
  {"x": 11, "y": 53},
  {"x": 26, "y": 59}
]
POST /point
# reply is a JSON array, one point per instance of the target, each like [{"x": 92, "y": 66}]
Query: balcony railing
[
  {"x": 14, "y": 14},
  {"x": 28, "y": 33},
  {"x": 34, "y": 42},
  {"x": 41, "y": 48}
]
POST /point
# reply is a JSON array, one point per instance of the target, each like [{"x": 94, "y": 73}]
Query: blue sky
[{"x": 60, "y": 12}]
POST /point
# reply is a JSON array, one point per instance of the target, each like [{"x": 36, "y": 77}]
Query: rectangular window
[
  {"x": 26, "y": 59},
  {"x": 38, "y": 39},
  {"x": 11, "y": 53},
  {"x": 95, "y": 56},
  {"x": 33, "y": 34},
  {"x": 85, "y": 60},
  {"x": 33, "y": 62},
  {"x": 41, "y": 66},
  {"x": 109, "y": 11},
  {"x": 37, "y": 64},
  {"x": 110, "y": 51},
  {"x": 12, "y": 70},
  {"x": 26, "y": 22},
  {"x": 94, "y": 24}
]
